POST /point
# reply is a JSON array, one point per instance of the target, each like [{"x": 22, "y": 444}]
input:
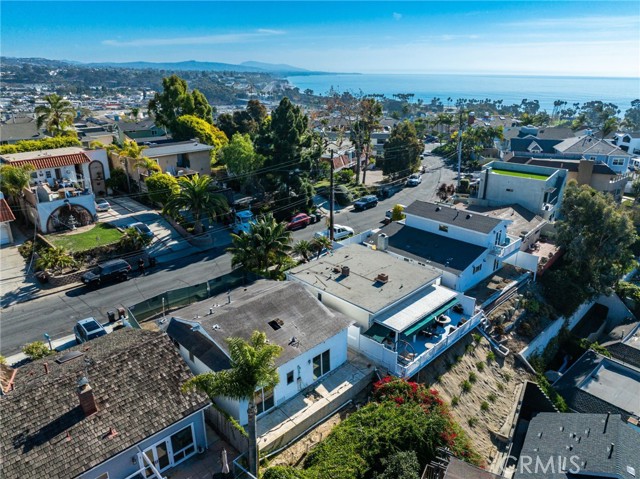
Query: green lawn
[
  {"x": 531, "y": 176},
  {"x": 100, "y": 234}
]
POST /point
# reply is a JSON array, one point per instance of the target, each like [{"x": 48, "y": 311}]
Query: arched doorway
[
  {"x": 96, "y": 171},
  {"x": 68, "y": 216}
]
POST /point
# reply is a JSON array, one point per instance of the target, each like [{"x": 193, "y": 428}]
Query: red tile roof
[
  {"x": 5, "y": 212},
  {"x": 40, "y": 163}
]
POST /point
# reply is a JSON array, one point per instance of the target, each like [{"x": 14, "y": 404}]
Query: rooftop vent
[
  {"x": 276, "y": 324},
  {"x": 382, "y": 278},
  {"x": 469, "y": 216},
  {"x": 345, "y": 271},
  {"x": 438, "y": 208},
  {"x": 382, "y": 242}
]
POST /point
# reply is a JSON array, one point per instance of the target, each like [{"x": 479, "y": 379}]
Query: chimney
[
  {"x": 46, "y": 368},
  {"x": 382, "y": 242},
  {"x": 345, "y": 271},
  {"x": 585, "y": 171},
  {"x": 383, "y": 278},
  {"x": 86, "y": 397}
]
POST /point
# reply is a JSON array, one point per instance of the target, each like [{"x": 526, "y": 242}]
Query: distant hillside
[
  {"x": 270, "y": 67},
  {"x": 190, "y": 65}
]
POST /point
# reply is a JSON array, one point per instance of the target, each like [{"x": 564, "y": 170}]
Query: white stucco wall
[{"x": 101, "y": 156}]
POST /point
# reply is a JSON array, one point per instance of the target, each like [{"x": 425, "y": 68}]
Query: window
[
  {"x": 510, "y": 190},
  {"x": 477, "y": 268},
  {"x": 191, "y": 356},
  {"x": 618, "y": 161},
  {"x": 182, "y": 444},
  {"x": 320, "y": 297},
  {"x": 289, "y": 377},
  {"x": 321, "y": 364},
  {"x": 48, "y": 174},
  {"x": 264, "y": 399},
  {"x": 444, "y": 228},
  {"x": 495, "y": 264}
]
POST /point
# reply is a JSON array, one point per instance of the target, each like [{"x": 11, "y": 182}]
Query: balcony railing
[{"x": 508, "y": 248}]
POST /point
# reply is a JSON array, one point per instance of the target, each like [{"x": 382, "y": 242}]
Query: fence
[{"x": 178, "y": 298}]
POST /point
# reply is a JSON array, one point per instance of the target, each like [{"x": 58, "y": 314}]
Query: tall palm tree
[
  {"x": 151, "y": 166},
  {"x": 196, "y": 196},
  {"x": 252, "y": 368},
  {"x": 56, "y": 116},
  {"x": 264, "y": 250}
]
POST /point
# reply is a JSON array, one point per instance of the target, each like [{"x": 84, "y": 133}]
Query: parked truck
[{"x": 242, "y": 221}]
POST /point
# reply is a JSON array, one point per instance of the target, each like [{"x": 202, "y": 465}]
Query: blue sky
[{"x": 533, "y": 37}]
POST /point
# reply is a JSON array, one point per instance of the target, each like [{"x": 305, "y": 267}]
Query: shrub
[
  {"x": 484, "y": 406},
  {"x": 472, "y": 421},
  {"x": 37, "y": 350},
  {"x": 477, "y": 337},
  {"x": 469, "y": 348},
  {"x": 472, "y": 377},
  {"x": 342, "y": 195},
  {"x": 344, "y": 176},
  {"x": 491, "y": 356},
  {"x": 480, "y": 366},
  {"x": 36, "y": 145},
  {"x": 557, "y": 400},
  {"x": 400, "y": 465},
  {"x": 3, "y": 360},
  {"x": 506, "y": 376},
  {"x": 466, "y": 386},
  {"x": 492, "y": 397},
  {"x": 283, "y": 472},
  {"x": 455, "y": 400},
  {"x": 500, "y": 387}
]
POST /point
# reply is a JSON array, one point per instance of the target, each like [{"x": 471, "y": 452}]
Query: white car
[
  {"x": 102, "y": 205},
  {"x": 339, "y": 232},
  {"x": 414, "y": 180}
]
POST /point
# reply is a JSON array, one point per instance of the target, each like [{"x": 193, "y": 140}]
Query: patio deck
[{"x": 290, "y": 419}]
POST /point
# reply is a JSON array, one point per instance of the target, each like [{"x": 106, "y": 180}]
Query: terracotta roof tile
[
  {"x": 40, "y": 163},
  {"x": 5, "y": 212}
]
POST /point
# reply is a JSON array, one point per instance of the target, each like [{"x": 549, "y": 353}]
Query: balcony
[{"x": 508, "y": 247}]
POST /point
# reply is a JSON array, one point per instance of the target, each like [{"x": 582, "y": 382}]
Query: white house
[
  {"x": 396, "y": 305},
  {"x": 61, "y": 190},
  {"x": 629, "y": 142},
  {"x": 466, "y": 247},
  {"x": 536, "y": 188},
  {"x": 6, "y": 217},
  {"x": 313, "y": 338}
]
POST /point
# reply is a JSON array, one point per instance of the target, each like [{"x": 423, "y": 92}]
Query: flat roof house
[
  {"x": 399, "y": 307},
  {"x": 314, "y": 342},
  {"x": 465, "y": 247},
  {"x": 111, "y": 408},
  {"x": 62, "y": 190}
]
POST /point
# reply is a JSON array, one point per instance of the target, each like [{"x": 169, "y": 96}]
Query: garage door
[{"x": 5, "y": 233}]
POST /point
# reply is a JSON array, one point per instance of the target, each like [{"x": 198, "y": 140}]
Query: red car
[{"x": 301, "y": 220}]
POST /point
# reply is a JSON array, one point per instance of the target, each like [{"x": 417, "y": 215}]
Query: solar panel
[{"x": 69, "y": 356}]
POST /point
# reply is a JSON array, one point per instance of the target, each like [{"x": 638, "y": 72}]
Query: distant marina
[{"x": 509, "y": 88}]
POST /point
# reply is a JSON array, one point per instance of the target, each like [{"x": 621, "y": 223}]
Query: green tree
[
  {"x": 253, "y": 369},
  {"x": 401, "y": 465},
  {"x": 14, "y": 179},
  {"x": 55, "y": 259},
  {"x": 265, "y": 249},
  {"x": 402, "y": 150},
  {"x": 43, "y": 144},
  {"x": 246, "y": 121},
  {"x": 37, "y": 350},
  {"x": 133, "y": 240},
  {"x": 632, "y": 117},
  {"x": 175, "y": 100},
  {"x": 56, "y": 116},
  {"x": 118, "y": 180},
  {"x": 303, "y": 248},
  {"x": 319, "y": 244},
  {"x": 149, "y": 165},
  {"x": 189, "y": 127},
  {"x": 610, "y": 125},
  {"x": 240, "y": 158},
  {"x": 196, "y": 196},
  {"x": 597, "y": 237},
  {"x": 161, "y": 187}
]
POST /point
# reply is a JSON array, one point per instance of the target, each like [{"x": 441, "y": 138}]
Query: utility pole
[
  {"x": 331, "y": 199},
  {"x": 470, "y": 120}
]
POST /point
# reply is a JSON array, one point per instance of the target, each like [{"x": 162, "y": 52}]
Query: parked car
[
  {"x": 114, "y": 270},
  {"x": 414, "y": 180},
  {"x": 339, "y": 232},
  {"x": 365, "y": 203},
  {"x": 102, "y": 205},
  {"x": 88, "y": 329},
  {"x": 142, "y": 229},
  {"x": 301, "y": 220}
]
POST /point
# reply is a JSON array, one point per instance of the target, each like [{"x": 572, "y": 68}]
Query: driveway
[{"x": 15, "y": 284}]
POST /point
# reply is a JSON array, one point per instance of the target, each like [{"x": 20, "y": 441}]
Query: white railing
[
  {"x": 513, "y": 245},
  {"x": 382, "y": 355},
  {"x": 428, "y": 356}
]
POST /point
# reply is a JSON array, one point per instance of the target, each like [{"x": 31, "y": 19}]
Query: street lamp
[{"x": 48, "y": 338}]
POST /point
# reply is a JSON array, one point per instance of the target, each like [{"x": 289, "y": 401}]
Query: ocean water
[{"x": 510, "y": 89}]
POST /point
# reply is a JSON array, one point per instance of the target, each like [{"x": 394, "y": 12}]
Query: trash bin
[{"x": 112, "y": 316}]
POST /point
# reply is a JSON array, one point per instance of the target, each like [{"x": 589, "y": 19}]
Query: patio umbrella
[
  {"x": 443, "y": 320},
  {"x": 224, "y": 461}
]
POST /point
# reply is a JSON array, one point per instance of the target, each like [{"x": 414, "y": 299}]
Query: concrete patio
[{"x": 289, "y": 420}]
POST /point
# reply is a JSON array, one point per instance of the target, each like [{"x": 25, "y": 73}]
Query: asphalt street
[{"x": 56, "y": 314}]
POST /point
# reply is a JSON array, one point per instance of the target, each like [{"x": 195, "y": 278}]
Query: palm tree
[
  {"x": 151, "y": 166},
  {"x": 133, "y": 240},
  {"x": 609, "y": 126},
  {"x": 14, "y": 179},
  {"x": 264, "y": 250},
  {"x": 56, "y": 116},
  {"x": 56, "y": 259},
  {"x": 252, "y": 369},
  {"x": 302, "y": 248},
  {"x": 321, "y": 243},
  {"x": 195, "y": 195}
]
